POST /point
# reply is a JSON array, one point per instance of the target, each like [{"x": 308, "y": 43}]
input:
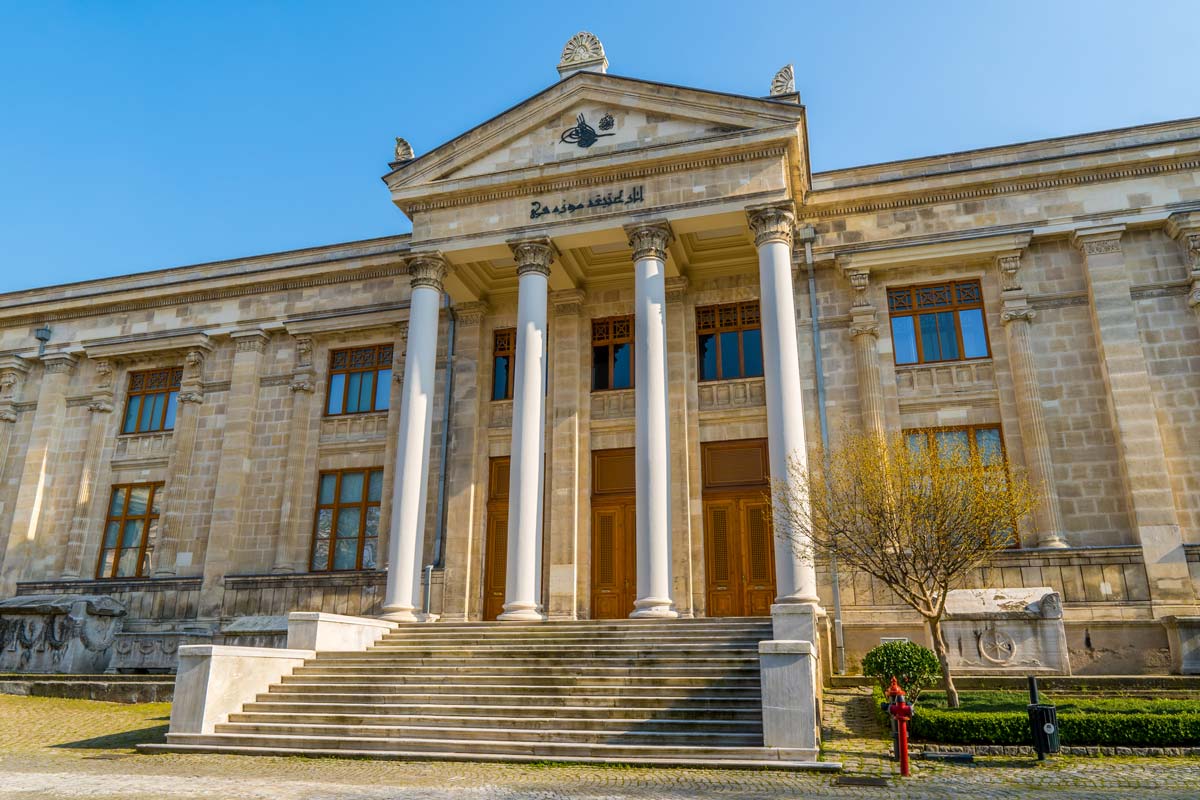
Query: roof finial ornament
[
  {"x": 583, "y": 51},
  {"x": 404, "y": 151},
  {"x": 784, "y": 82}
]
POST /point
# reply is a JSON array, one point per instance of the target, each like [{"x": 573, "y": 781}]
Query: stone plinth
[
  {"x": 789, "y": 696},
  {"x": 214, "y": 681},
  {"x": 58, "y": 633},
  {"x": 1183, "y": 633},
  {"x": 997, "y": 631}
]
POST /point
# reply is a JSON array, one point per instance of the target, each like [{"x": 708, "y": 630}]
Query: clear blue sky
[{"x": 137, "y": 135}]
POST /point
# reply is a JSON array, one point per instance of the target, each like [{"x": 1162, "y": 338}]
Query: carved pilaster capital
[
  {"x": 59, "y": 363},
  {"x": 100, "y": 405},
  {"x": 253, "y": 341},
  {"x": 676, "y": 288},
  {"x": 12, "y": 371},
  {"x": 533, "y": 255},
  {"x": 1098, "y": 241},
  {"x": 649, "y": 240},
  {"x": 859, "y": 281},
  {"x": 191, "y": 397},
  {"x": 302, "y": 384},
  {"x": 1008, "y": 265},
  {"x": 774, "y": 223},
  {"x": 304, "y": 350},
  {"x": 1194, "y": 294},
  {"x": 428, "y": 270},
  {"x": 104, "y": 374},
  {"x": 1019, "y": 314},
  {"x": 864, "y": 327},
  {"x": 567, "y": 301},
  {"x": 8, "y": 416},
  {"x": 468, "y": 314},
  {"x": 1185, "y": 226}
]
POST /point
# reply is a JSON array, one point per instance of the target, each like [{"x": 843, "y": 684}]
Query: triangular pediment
[{"x": 593, "y": 120}]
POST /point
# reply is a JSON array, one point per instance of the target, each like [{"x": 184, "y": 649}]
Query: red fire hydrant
[{"x": 901, "y": 712}]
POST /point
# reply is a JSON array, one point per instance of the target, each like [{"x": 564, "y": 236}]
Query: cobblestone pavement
[{"x": 52, "y": 748}]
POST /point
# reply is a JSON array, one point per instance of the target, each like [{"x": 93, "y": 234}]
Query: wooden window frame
[
  {"x": 342, "y": 362},
  {"x": 504, "y": 343},
  {"x": 914, "y": 311},
  {"x": 337, "y": 505},
  {"x": 603, "y": 335},
  {"x": 149, "y": 383},
  {"x": 146, "y": 519},
  {"x": 931, "y": 434},
  {"x": 727, "y": 318}
]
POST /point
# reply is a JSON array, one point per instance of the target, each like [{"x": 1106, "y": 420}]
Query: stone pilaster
[
  {"x": 1017, "y": 318},
  {"x": 864, "y": 330},
  {"x": 100, "y": 408},
  {"x": 1135, "y": 421},
  {"x": 1185, "y": 227},
  {"x": 177, "y": 522},
  {"x": 31, "y": 521},
  {"x": 295, "y": 526},
  {"x": 395, "y": 398},
  {"x": 230, "y": 497},
  {"x": 12, "y": 375},
  {"x": 466, "y": 479},
  {"x": 566, "y": 456},
  {"x": 679, "y": 379}
]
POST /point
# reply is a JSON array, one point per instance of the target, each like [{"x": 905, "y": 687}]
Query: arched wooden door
[
  {"x": 739, "y": 552},
  {"x": 614, "y": 534},
  {"x": 495, "y": 558}
]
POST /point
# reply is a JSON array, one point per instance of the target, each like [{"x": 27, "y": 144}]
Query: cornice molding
[
  {"x": 131, "y": 348},
  {"x": 979, "y": 248}
]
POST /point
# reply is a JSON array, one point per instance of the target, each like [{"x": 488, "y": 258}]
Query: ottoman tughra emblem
[{"x": 582, "y": 134}]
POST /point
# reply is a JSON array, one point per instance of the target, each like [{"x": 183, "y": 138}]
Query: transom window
[
  {"x": 346, "y": 530},
  {"x": 729, "y": 341},
  {"x": 982, "y": 440},
  {"x": 360, "y": 380},
  {"x": 152, "y": 398},
  {"x": 612, "y": 353},
  {"x": 130, "y": 530},
  {"x": 938, "y": 322},
  {"x": 504, "y": 348}
]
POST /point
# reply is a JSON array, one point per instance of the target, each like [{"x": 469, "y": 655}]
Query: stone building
[{"x": 562, "y": 395}]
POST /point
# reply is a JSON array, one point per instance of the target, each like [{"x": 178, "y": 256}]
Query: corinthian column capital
[
  {"x": 428, "y": 270},
  {"x": 533, "y": 255},
  {"x": 649, "y": 240},
  {"x": 772, "y": 224}
]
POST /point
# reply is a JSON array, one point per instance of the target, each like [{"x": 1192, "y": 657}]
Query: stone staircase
[{"x": 672, "y": 692}]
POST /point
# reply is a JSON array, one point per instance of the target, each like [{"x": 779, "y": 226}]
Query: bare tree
[{"x": 918, "y": 512}]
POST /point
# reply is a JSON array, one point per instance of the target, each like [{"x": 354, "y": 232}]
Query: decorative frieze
[
  {"x": 467, "y": 314},
  {"x": 567, "y": 301}
]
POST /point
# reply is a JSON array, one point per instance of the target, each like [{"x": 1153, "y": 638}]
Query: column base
[
  {"x": 1053, "y": 542},
  {"x": 653, "y": 608},
  {"x": 521, "y": 611},
  {"x": 406, "y": 614}
]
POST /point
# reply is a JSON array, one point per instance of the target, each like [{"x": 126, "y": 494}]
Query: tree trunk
[{"x": 939, "y": 647}]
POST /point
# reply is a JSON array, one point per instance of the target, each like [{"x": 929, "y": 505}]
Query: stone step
[
  {"x": 568, "y": 638},
  {"x": 672, "y": 626},
  {"x": 543, "y": 651},
  {"x": 552, "y": 733},
  {"x": 541, "y": 678},
  {"x": 492, "y": 747},
  {"x": 319, "y": 694},
  {"x": 754, "y": 758},
  {"x": 608, "y": 722},
  {"x": 374, "y": 667},
  {"x": 543, "y": 663},
  {"x": 300, "y": 704},
  {"x": 750, "y": 694}
]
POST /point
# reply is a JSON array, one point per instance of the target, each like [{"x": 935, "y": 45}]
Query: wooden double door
[
  {"x": 495, "y": 559},
  {"x": 739, "y": 550},
  {"x": 614, "y": 534}
]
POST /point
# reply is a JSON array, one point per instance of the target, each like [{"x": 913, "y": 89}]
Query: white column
[
  {"x": 795, "y": 575},
  {"x": 653, "y": 457},
  {"x": 522, "y": 590},
  {"x": 401, "y": 601}
]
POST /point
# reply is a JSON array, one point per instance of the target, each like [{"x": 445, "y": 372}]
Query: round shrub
[{"x": 914, "y": 666}]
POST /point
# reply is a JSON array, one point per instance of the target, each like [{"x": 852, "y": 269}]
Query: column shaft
[
  {"x": 410, "y": 487},
  {"x": 653, "y": 458},
  {"x": 172, "y": 530},
  {"x": 294, "y": 525},
  {"x": 795, "y": 576}
]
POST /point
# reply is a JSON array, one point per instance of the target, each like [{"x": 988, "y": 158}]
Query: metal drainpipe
[
  {"x": 438, "y": 556},
  {"x": 807, "y": 235}
]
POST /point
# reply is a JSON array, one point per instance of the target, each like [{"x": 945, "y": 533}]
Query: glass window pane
[
  {"x": 904, "y": 340},
  {"x": 929, "y": 337},
  {"x": 622, "y": 366},
  {"x": 320, "y": 559},
  {"x": 327, "y": 488},
  {"x": 139, "y": 501},
  {"x": 347, "y": 523},
  {"x": 946, "y": 335},
  {"x": 324, "y": 523},
  {"x": 973, "y": 336},
  {"x": 730, "y": 362},
  {"x": 987, "y": 442},
  {"x": 369, "y": 546},
  {"x": 916, "y": 442},
  {"x": 117, "y": 504},
  {"x": 352, "y": 487},
  {"x": 337, "y": 389},
  {"x": 127, "y": 563},
  {"x": 600, "y": 368},
  {"x": 149, "y": 419},
  {"x": 110, "y": 534},
  {"x": 106, "y": 563},
  {"x": 353, "y": 384},
  {"x": 366, "y": 392},
  {"x": 375, "y": 487},
  {"x": 132, "y": 536},
  {"x": 952, "y": 445},
  {"x": 156, "y": 498},
  {"x": 500, "y": 366},
  {"x": 707, "y": 356},
  {"x": 372, "y": 528},
  {"x": 172, "y": 402},
  {"x": 132, "y": 409},
  {"x": 752, "y": 353},
  {"x": 383, "y": 390},
  {"x": 345, "y": 554}
]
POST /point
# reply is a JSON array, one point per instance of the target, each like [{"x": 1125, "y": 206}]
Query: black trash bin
[{"x": 1043, "y": 723}]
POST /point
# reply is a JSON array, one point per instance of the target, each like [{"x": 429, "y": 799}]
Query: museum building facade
[{"x": 622, "y": 308}]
